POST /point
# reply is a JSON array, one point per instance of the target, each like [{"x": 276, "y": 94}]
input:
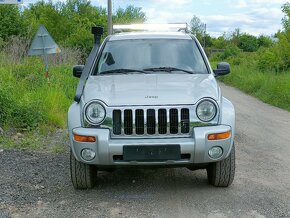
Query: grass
[
  {"x": 270, "y": 87},
  {"x": 32, "y": 104},
  {"x": 27, "y": 141},
  {"x": 28, "y": 99},
  {"x": 57, "y": 149}
]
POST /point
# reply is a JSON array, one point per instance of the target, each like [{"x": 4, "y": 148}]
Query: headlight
[
  {"x": 206, "y": 110},
  {"x": 95, "y": 113}
]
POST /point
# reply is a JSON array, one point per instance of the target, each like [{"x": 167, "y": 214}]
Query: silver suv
[{"x": 150, "y": 99}]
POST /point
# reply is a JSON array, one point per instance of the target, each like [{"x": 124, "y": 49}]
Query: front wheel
[
  {"x": 222, "y": 173},
  {"x": 83, "y": 176}
]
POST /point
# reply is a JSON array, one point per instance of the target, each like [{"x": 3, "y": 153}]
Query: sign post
[{"x": 43, "y": 44}]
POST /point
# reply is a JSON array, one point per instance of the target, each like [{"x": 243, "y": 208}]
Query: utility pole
[
  {"x": 110, "y": 22},
  {"x": 204, "y": 36}
]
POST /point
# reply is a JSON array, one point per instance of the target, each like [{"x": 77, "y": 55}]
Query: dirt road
[{"x": 37, "y": 184}]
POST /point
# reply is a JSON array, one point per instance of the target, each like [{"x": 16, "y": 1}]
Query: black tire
[
  {"x": 222, "y": 173},
  {"x": 83, "y": 176}
]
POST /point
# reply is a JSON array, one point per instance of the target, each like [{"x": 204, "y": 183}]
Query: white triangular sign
[{"x": 43, "y": 43}]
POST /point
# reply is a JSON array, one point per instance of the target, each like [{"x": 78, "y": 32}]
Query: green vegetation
[
  {"x": 57, "y": 149},
  {"x": 267, "y": 85},
  {"x": 28, "y": 98},
  {"x": 286, "y": 18},
  {"x": 29, "y": 141}
]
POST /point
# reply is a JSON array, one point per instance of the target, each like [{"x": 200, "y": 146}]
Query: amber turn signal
[
  {"x": 219, "y": 136},
  {"x": 82, "y": 138}
]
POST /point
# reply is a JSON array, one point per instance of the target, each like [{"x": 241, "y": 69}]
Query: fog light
[
  {"x": 215, "y": 152},
  {"x": 88, "y": 154}
]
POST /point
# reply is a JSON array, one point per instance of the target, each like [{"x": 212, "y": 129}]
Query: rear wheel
[
  {"x": 83, "y": 176},
  {"x": 222, "y": 173}
]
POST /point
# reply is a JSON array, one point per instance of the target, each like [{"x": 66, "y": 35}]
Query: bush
[
  {"x": 230, "y": 51},
  {"x": 277, "y": 57},
  {"x": 248, "y": 43},
  {"x": 267, "y": 60}
]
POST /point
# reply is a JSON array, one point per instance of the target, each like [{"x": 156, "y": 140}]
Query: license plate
[{"x": 151, "y": 152}]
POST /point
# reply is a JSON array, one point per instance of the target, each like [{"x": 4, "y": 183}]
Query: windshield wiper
[
  {"x": 123, "y": 71},
  {"x": 167, "y": 69}
]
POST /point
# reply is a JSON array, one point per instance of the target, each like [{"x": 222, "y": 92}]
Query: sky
[{"x": 256, "y": 17}]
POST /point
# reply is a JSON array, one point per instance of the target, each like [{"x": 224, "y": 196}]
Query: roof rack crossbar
[{"x": 151, "y": 27}]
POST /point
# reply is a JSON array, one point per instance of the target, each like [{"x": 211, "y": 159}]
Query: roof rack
[{"x": 151, "y": 27}]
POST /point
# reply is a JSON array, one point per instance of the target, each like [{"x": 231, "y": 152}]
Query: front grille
[{"x": 140, "y": 122}]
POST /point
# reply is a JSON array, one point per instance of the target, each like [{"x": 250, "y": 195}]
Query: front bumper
[{"x": 194, "y": 149}]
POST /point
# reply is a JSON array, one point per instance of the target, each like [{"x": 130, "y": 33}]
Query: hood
[{"x": 150, "y": 89}]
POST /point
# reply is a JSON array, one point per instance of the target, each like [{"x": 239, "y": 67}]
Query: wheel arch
[{"x": 228, "y": 117}]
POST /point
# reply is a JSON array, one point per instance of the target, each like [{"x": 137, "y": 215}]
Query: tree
[
  {"x": 235, "y": 37},
  {"x": 81, "y": 16},
  {"x": 197, "y": 28},
  {"x": 68, "y": 22},
  {"x": 286, "y": 18},
  {"x": 130, "y": 15},
  {"x": 219, "y": 42},
  {"x": 264, "y": 41},
  {"x": 11, "y": 22},
  {"x": 45, "y": 13},
  {"x": 248, "y": 42}
]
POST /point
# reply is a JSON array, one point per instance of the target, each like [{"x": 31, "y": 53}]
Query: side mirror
[
  {"x": 223, "y": 68},
  {"x": 77, "y": 70}
]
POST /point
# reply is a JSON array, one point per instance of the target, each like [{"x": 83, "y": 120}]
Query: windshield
[{"x": 151, "y": 55}]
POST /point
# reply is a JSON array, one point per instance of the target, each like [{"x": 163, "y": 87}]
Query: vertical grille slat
[
  {"x": 173, "y": 115},
  {"x": 184, "y": 120},
  {"x": 151, "y": 123},
  {"x": 117, "y": 124},
  {"x": 128, "y": 122},
  {"x": 162, "y": 121},
  {"x": 139, "y": 121}
]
